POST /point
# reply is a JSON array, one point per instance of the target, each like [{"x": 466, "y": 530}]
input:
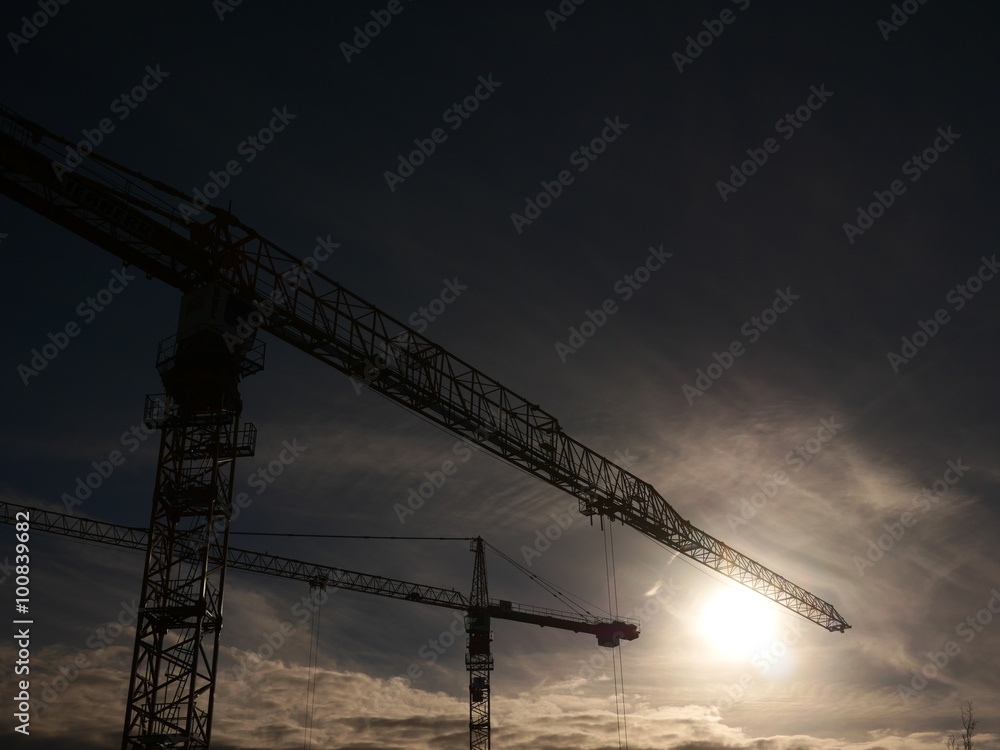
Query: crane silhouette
[{"x": 235, "y": 282}]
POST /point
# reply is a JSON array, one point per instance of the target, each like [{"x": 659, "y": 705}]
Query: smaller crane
[{"x": 479, "y": 608}]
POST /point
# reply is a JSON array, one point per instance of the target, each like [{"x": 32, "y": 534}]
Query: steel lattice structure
[
  {"x": 479, "y": 607},
  {"x": 173, "y": 675},
  {"x": 479, "y": 660},
  {"x": 349, "y": 580},
  {"x": 141, "y": 221}
]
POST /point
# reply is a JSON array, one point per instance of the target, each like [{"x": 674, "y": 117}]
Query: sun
[{"x": 738, "y": 622}]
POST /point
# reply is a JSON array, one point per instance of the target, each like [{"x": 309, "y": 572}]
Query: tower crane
[
  {"x": 479, "y": 608},
  {"x": 234, "y": 281}
]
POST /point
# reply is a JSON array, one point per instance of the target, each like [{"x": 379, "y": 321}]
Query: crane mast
[
  {"x": 479, "y": 660},
  {"x": 478, "y": 606},
  {"x": 139, "y": 220},
  {"x": 173, "y": 675}
]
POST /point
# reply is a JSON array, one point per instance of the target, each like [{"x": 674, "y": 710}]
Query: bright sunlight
[{"x": 737, "y": 622}]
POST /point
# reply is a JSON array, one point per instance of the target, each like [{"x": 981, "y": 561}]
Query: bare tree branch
[{"x": 968, "y": 727}]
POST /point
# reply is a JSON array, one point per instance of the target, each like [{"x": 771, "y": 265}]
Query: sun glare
[{"x": 737, "y": 622}]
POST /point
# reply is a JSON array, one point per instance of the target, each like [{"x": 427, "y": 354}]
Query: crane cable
[
  {"x": 311, "y": 680},
  {"x": 553, "y": 589},
  {"x": 570, "y": 600},
  {"x": 574, "y": 602},
  {"x": 618, "y": 668}
]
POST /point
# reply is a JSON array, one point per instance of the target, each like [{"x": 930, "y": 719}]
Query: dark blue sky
[{"x": 791, "y": 316}]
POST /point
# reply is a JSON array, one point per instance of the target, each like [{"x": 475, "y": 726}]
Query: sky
[{"x": 745, "y": 250}]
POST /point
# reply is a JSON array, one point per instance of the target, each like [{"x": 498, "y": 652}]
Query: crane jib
[
  {"x": 322, "y": 318},
  {"x": 118, "y": 212},
  {"x": 19, "y": 158}
]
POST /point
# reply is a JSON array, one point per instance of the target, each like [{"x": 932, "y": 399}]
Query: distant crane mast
[
  {"x": 479, "y": 660},
  {"x": 139, "y": 220},
  {"x": 479, "y": 607}
]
